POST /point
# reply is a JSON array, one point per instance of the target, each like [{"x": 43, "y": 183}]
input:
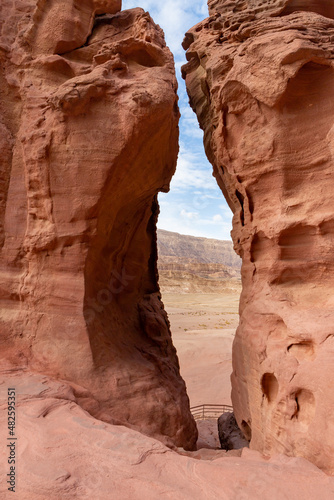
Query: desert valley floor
[{"x": 203, "y": 328}]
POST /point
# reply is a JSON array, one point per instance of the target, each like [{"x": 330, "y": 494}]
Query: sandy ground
[{"x": 203, "y": 327}]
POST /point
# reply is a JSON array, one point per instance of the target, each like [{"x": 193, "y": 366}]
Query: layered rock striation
[
  {"x": 189, "y": 264},
  {"x": 260, "y": 78},
  {"x": 196, "y": 249},
  {"x": 88, "y": 136}
]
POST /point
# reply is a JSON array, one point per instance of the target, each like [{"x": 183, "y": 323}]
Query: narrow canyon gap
[
  {"x": 83, "y": 331},
  {"x": 89, "y": 136},
  {"x": 260, "y": 78}
]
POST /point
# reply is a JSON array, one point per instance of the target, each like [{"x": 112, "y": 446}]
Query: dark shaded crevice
[
  {"x": 305, "y": 349},
  {"x": 250, "y": 203},
  {"x": 246, "y": 430},
  {"x": 305, "y": 406},
  {"x": 269, "y": 384},
  {"x": 153, "y": 260},
  {"x": 241, "y": 199}
]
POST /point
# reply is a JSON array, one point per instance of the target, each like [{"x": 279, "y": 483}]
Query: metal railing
[{"x": 201, "y": 412}]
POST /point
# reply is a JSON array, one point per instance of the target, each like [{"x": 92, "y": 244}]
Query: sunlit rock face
[
  {"x": 260, "y": 78},
  {"x": 76, "y": 456},
  {"x": 88, "y": 136}
]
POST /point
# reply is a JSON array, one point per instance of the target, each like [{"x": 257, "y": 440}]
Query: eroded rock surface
[
  {"x": 260, "y": 78},
  {"x": 63, "y": 452},
  {"x": 88, "y": 137}
]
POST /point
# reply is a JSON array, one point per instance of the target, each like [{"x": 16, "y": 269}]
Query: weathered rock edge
[
  {"x": 89, "y": 136},
  {"x": 260, "y": 79}
]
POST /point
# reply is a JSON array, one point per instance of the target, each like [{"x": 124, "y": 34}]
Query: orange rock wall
[
  {"x": 88, "y": 137},
  {"x": 260, "y": 77}
]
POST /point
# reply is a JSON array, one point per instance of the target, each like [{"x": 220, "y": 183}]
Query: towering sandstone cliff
[
  {"x": 88, "y": 137},
  {"x": 260, "y": 78}
]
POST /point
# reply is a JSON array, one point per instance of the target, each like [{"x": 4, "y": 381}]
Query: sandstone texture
[
  {"x": 88, "y": 137},
  {"x": 260, "y": 78},
  {"x": 65, "y": 453}
]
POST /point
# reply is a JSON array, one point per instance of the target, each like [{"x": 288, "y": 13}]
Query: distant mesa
[{"x": 190, "y": 264}]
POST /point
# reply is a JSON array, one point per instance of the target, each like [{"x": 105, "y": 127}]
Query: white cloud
[
  {"x": 190, "y": 172},
  {"x": 175, "y": 17},
  {"x": 194, "y": 199},
  {"x": 199, "y": 227},
  {"x": 190, "y": 124},
  {"x": 225, "y": 209},
  {"x": 189, "y": 215}
]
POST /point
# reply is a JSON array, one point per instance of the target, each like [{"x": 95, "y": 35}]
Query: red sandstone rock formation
[
  {"x": 88, "y": 137},
  {"x": 260, "y": 78},
  {"x": 64, "y": 453}
]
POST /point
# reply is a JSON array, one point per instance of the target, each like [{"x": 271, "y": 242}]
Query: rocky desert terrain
[
  {"x": 189, "y": 264},
  {"x": 95, "y": 401},
  {"x": 200, "y": 284}
]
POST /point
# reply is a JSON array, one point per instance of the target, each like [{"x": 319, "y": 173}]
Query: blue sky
[{"x": 195, "y": 205}]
